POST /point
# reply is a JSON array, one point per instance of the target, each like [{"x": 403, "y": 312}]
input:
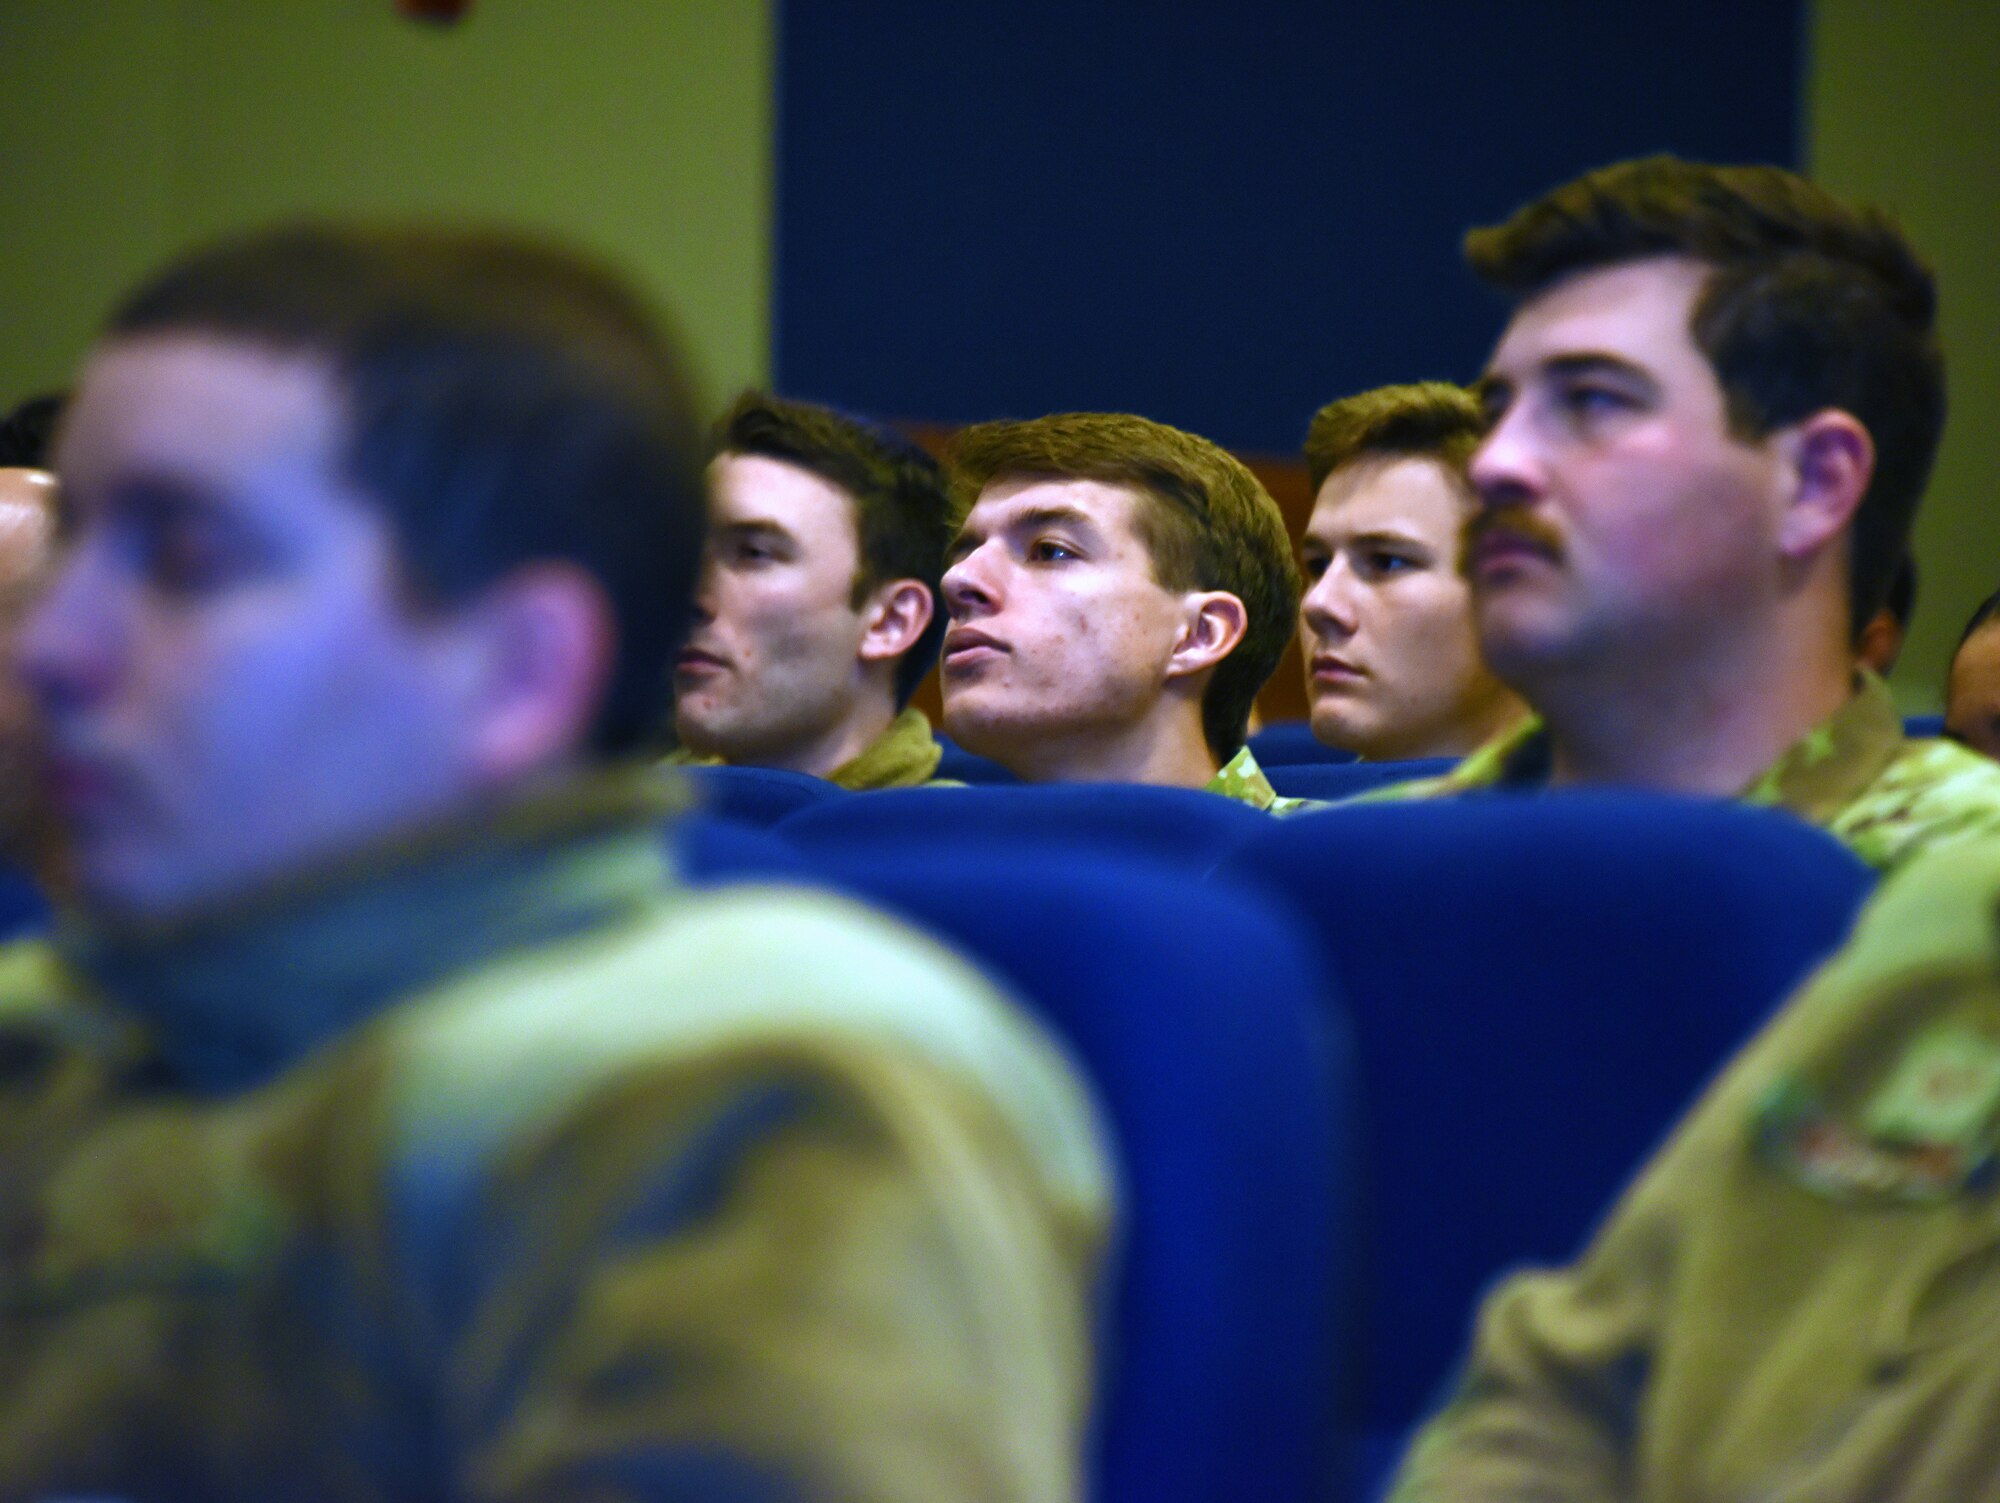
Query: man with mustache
[
  {"x": 1712, "y": 416},
  {"x": 1709, "y": 423},
  {"x": 816, "y": 615},
  {"x": 1393, "y": 669},
  {"x": 387, "y": 1120},
  {"x": 1119, "y": 592}
]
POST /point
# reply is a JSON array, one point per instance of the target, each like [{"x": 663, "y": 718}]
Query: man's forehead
[
  {"x": 1635, "y": 310},
  {"x": 1008, "y": 499},
  {"x": 1408, "y": 493},
  {"x": 197, "y": 405},
  {"x": 760, "y": 489}
]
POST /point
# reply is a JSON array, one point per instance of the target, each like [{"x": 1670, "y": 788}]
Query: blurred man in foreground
[
  {"x": 1393, "y": 669},
  {"x": 387, "y": 1122},
  {"x": 1710, "y": 420},
  {"x": 817, "y": 613},
  {"x": 1119, "y": 592}
]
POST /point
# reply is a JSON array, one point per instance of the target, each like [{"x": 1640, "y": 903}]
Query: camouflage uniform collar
[
  {"x": 904, "y": 756},
  {"x": 1834, "y": 763},
  {"x": 1820, "y": 774},
  {"x": 232, "y": 998},
  {"x": 1519, "y": 758},
  {"x": 1243, "y": 780}
]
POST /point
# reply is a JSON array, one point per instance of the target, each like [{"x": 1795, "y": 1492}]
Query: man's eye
[
  {"x": 1584, "y": 402},
  {"x": 1313, "y": 566},
  {"x": 1050, "y": 551},
  {"x": 1381, "y": 565},
  {"x": 191, "y": 560}
]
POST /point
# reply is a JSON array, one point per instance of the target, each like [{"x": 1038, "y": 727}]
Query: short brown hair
[
  {"x": 903, "y": 512},
  {"x": 1427, "y": 420},
  {"x": 1811, "y": 303},
  {"x": 1208, "y": 524}
]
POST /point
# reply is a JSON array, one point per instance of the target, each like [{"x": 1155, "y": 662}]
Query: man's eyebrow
[
  {"x": 1052, "y": 516},
  {"x": 1595, "y": 363},
  {"x": 754, "y": 527},
  {"x": 1378, "y": 538}
]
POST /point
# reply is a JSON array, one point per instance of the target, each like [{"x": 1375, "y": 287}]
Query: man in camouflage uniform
[
  {"x": 1119, "y": 592},
  {"x": 817, "y": 614},
  {"x": 1795, "y": 1302},
  {"x": 386, "y": 1122},
  {"x": 1711, "y": 419}
]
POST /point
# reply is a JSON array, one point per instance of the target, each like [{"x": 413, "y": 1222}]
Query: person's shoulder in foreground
[
  {"x": 387, "y": 1121},
  {"x": 1787, "y": 1304}
]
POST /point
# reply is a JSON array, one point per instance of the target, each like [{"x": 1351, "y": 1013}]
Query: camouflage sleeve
[
  {"x": 770, "y": 1275},
  {"x": 1548, "y": 1398}
]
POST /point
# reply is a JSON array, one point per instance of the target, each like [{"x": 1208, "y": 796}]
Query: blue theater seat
[
  {"x": 960, "y": 766},
  {"x": 709, "y": 850},
  {"x": 1185, "y": 826},
  {"x": 1923, "y": 725},
  {"x": 1538, "y": 987},
  {"x": 756, "y": 795},
  {"x": 1201, "y": 1016},
  {"x": 1334, "y": 782},
  {"x": 1290, "y": 743}
]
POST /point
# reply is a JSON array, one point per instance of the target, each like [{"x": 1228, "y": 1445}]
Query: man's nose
[
  {"x": 1506, "y": 468},
  {"x": 1329, "y": 608},
  {"x": 65, "y": 649},
  {"x": 971, "y": 585}
]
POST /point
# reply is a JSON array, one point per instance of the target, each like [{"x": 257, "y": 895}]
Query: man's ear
[
  {"x": 540, "y": 644},
  {"x": 1215, "y": 622},
  {"x": 894, "y": 617},
  {"x": 1830, "y": 459}
]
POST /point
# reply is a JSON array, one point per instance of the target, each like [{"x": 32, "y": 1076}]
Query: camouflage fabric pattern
[
  {"x": 643, "y": 1193},
  {"x": 1857, "y": 776},
  {"x": 1242, "y": 779},
  {"x": 904, "y": 756},
  {"x": 1794, "y": 1302}
]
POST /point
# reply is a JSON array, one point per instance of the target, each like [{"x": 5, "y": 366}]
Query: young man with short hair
[
  {"x": 816, "y": 616},
  {"x": 387, "y": 1121},
  {"x": 1710, "y": 420},
  {"x": 1119, "y": 592},
  {"x": 1393, "y": 669}
]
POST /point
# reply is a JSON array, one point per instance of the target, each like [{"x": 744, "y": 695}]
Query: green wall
[
  {"x": 132, "y": 128},
  {"x": 1903, "y": 104}
]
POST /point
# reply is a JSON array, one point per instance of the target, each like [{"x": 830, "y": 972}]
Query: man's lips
[
  {"x": 76, "y": 785},
  {"x": 695, "y": 663},
  {"x": 1329, "y": 669},
  {"x": 965, "y": 647}
]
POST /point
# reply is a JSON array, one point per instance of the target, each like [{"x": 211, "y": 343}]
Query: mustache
[{"x": 1484, "y": 524}]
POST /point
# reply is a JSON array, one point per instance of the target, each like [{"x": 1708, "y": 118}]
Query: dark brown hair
[
  {"x": 1205, "y": 519},
  {"x": 1427, "y": 420},
  {"x": 1811, "y": 303},
  {"x": 902, "y": 505},
  {"x": 506, "y": 401}
]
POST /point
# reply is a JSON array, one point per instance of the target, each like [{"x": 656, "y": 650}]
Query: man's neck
[
  {"x": 1174, "y": 754},
  {"x": 839, "y": 744},
  {"x": 1699, "y": 724}
]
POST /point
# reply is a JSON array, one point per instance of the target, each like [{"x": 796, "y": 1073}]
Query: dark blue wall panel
[{"x": 1220, "y": 215}]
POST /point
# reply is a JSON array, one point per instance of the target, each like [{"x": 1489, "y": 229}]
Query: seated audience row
[{"x": 384, "y": 1117}]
